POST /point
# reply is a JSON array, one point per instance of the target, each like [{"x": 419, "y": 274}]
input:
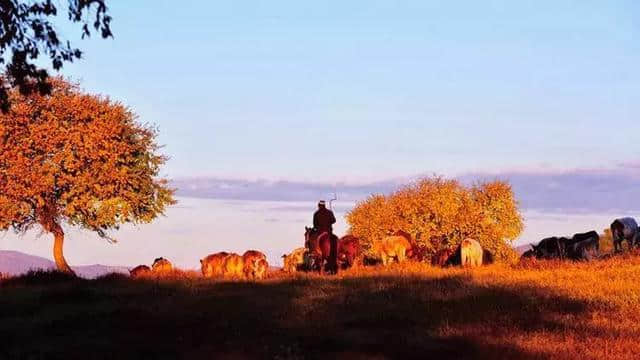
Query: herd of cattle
[
  {"x": 398, "y": 247},
  {"x": 586, "y": 246},
  {"x": 252, "y": 265},
  {"x": 316, "y": 255}
]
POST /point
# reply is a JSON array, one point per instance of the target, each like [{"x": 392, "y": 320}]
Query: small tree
[
  {"x": 76, "y": 158},
  {"x": 439, "y": 212}
]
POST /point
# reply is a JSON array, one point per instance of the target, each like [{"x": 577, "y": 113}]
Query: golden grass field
[{"x": 536, "y": 310}]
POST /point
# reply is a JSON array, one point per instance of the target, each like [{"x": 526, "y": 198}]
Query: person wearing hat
[{"x": 323, "y": 220}]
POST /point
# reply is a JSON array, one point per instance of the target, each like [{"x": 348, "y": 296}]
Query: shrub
[{"x": 440, "y": 212}]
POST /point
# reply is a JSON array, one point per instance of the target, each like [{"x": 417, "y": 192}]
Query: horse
[{"x": 319, "y": 245}]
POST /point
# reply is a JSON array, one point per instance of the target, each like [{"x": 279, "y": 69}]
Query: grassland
[{"x": 536, "y": 310}]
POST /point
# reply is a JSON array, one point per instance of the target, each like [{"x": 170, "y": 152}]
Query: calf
[{"x": 294, "y": 261}]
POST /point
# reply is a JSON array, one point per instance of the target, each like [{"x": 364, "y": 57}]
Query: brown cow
[
  {"x": 441, "y": 257},
  {"x": 139, "y": 270},
  {"x": 294, "y": 261},
  {"x": 212, "y": 265},
  {"x": 233, "y": 266},
  {"x": 348, "y": 250},
  {"x": 161, "y": 265},
  {"x": 390, "y": 247},
  {"x": 251, "y": 259}
]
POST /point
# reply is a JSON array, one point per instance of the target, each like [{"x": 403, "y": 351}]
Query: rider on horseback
[{"x": 323, "y": 220}]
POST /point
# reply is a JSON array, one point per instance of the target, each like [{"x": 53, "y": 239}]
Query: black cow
[
  {"x": 550, "y": 248},
  {"x": 625, "y": 229},
  {"x": 528, "y": 254},
  {"x": 487, "y": 257},
  {"x": 583, "y": 246}
]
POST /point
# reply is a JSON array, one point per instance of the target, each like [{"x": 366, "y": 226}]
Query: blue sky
[
  {"x": 370, "y": 90},
  {"x": 361, "y": 97}
]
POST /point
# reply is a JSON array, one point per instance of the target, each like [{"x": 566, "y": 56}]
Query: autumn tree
[
  {"x": 78, "y": 159},
  {"x": 439, "y": 212},
  {"x": 27, "y": 31}
]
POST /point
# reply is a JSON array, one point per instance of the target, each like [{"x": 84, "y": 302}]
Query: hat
[{"x": 321, "y": 202}]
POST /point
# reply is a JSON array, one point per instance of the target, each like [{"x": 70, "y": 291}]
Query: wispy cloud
[{"x": 578, "y": 190}]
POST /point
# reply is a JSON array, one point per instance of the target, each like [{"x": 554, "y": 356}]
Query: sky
[
  {"x": 370, "y": 90},
  {"x": 264, "y": 107}
]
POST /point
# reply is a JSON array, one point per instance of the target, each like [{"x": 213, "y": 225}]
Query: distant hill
[
  {"x": 522, "y": 248},
  {"x": 16, "y": 263}
]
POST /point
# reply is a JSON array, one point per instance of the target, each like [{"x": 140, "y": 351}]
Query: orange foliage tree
[
  {"x": 441, "y": 213},
  {"x": 80, "y": 159}
]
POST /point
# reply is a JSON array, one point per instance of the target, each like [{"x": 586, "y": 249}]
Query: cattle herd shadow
[{"x": 364, "y": 317}]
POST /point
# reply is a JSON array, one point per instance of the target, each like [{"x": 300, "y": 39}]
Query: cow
[
  {"x": 528, "y": 254},
  {"x": 212, "y": 265},
  {"x": 233, "y": 266},
  {"x": 441, "y": 257},
  {"x": 348, "y": 250},
  {"x": 582, "y": 246},
  {"x": 625, "y": 229},
  {"x": 585, "y": 249},
  {"x": 410, "y": 252},
  {"x": 487, "y": 257},
  {"x": 294, "y": 261},
  {"x": 395, "y": 246},
  {"x": 161, "y": 265},
  {"x": 139, "y": 270},
  {"x": 251, "y": 258},
  {"x": 470, "y": 253},
  {"x": 550, "y": 248}
]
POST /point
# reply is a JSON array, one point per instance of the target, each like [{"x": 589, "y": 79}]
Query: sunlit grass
[{"x": 539, "y": 309}]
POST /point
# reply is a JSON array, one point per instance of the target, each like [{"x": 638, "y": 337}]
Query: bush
[{"x": 439, "y": 212}]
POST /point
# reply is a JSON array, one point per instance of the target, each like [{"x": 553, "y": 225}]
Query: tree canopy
[
  {"x": 441, "y": 213},
  {"x": 75, "y": 158},
  {"x": 27, "y": 30}
]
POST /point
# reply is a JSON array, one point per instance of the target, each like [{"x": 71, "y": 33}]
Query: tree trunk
[{"x": 58, "y": 256}]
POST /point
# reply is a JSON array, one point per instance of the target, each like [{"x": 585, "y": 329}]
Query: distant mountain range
[{"x": 17, "y": 263}]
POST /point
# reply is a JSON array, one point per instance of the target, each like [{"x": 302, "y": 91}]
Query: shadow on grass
[{"x": 365, "y": 317}]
